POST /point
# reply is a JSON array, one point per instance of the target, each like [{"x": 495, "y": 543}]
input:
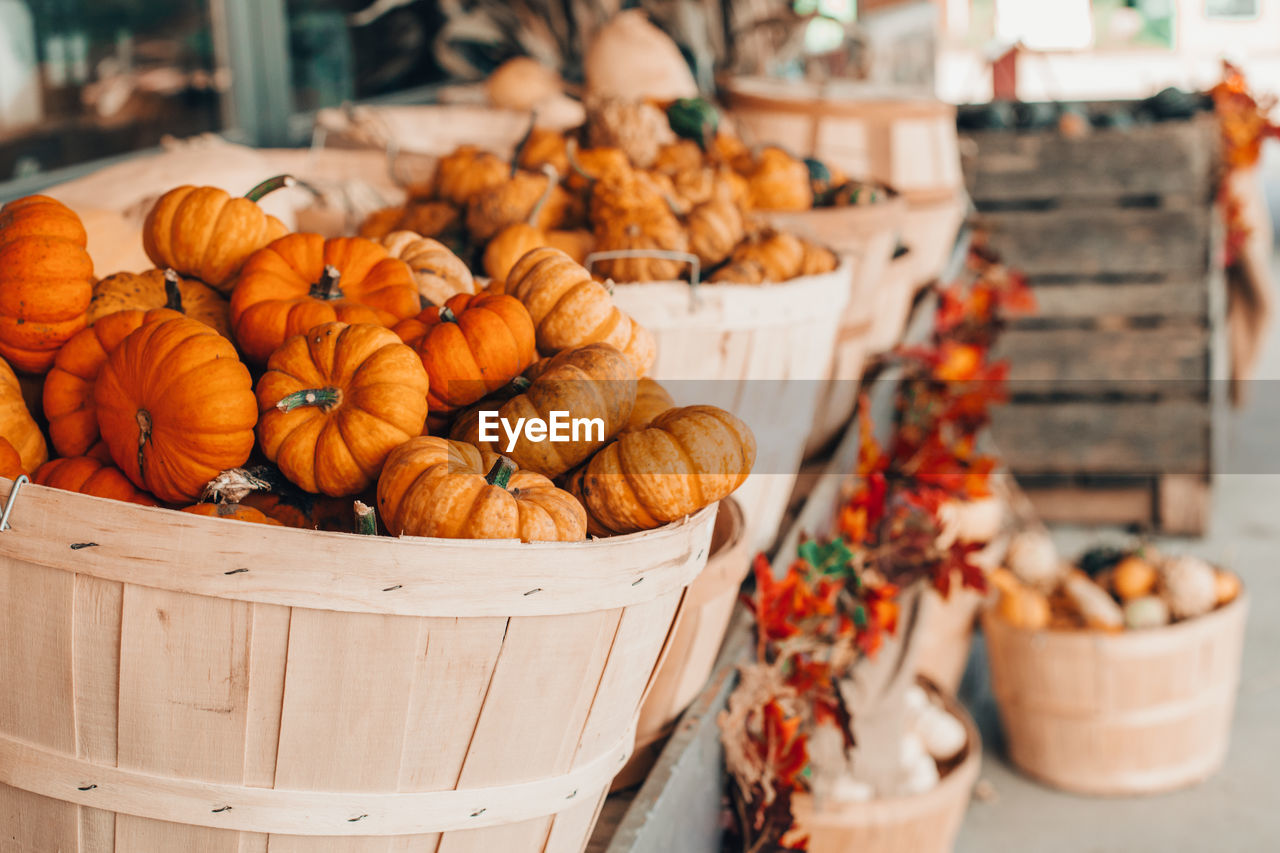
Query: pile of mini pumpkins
[
  {"x": 286, "y": 378},
  {"x": 661, "y": 181},
  {"x": 1108, "y": 589}
]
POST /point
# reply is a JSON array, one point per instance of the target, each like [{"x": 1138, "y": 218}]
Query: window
[
  {"x": 81, "y": 80},
  {"x": 342, "y": 51},
  {"x": 1231, "y": 8}
]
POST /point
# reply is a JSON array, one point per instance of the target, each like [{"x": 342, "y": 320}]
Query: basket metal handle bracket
[
  {"x": 12, "y": 499},
  {"x": 695, "y": 265}
]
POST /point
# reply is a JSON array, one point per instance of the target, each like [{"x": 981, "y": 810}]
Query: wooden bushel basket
[
  {"x": 695, "y": 641},
  {"x": 1114, "y": 714},
  {"x": 929, "y": 230},
  {"x": 923, "y": 823},
  {"x": 894, "y": 297},
  {"x": 731, "y": 337},
  {"x": 174, "y": 682},
  {"x": 946, "y": 636},
  {"x": 870, "y": 132},
  {"x": 865, "y": 236}
]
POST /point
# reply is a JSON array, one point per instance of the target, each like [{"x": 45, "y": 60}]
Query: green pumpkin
[{"x": 694, "y": 118}]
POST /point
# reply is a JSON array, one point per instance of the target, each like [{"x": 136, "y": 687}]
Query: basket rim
[
  {"x": 1132, "y": 636},
  {"x": 201, "y": 555}
]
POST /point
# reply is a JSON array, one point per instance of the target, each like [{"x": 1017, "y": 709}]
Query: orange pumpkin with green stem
[
  {"x": 69, "y": 404},
  {"x": 471, "y": 347},
  {"x": 436, "y": 487},
  {"x": 335, "y": 401},
  {"x": 90, "y": 476},
  {"x": 205, "y": 233},
  {"x": 687, "y": 458},
  {"x": 175, "y": 407},
  {"x": 46, "y": 281},
  {"x": 16, "y": 423},
  {"x": 303, "y": 280},
  {"x": 569, "y": 308}
]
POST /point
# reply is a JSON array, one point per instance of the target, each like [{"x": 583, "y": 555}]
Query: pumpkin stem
[
  {"x": 235, "y": 484},
  {"x": 447, "y": 315},
  {"x": 172, "y": 295},
  {"x": 500, "y": 474},
  {"x": 366, "y": 519},
  {"x": 144, "y": 435},
  {"x": 329, "y": 287},
  {"x": 270, "y": 185},
  {"x": 571, "y": 151},
  {"x": 325, "y": 399},
  {"x": 553, "y": 178},
  {"x": 517, "y": 386}
]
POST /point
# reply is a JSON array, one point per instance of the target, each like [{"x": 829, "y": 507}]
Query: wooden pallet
[{"x": 1114, "y": 406}]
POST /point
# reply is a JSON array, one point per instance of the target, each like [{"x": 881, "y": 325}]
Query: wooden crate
[
  {"x": 174, "y": 682},
  {"x": 1114, "y": 403}
]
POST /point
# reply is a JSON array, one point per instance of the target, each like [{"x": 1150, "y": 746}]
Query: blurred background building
[{"x": 83, "y": 81}]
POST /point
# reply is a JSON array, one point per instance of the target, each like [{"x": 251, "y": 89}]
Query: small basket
[
  {"x": 1137, "y": 712},
  {"x": 921, "y": 823}
]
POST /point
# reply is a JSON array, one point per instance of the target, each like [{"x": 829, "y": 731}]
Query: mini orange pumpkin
[
  {"x": 436, "y": 487},
  {"x": 46, "y": 280},
  {"x": 592, "y": 382},
  {"x": 160, "y": 289},
  {"x": 335, "y": 401},
  {"x": 468, "y": 171},
  {"x": 204, "y": 233},
  {"x": 588, "y": 165},
  {"x": 90, "y": 476},
  {"x": 471, "y": 347},
  {"x": 514, "y": 241},
  {"x": 544, "y": 147},
  {"x": 778, "y": 181},
  {"x": 425, "y": 218},
  {"x": 175, "y": 407},
  {"x": 769, "y": 256},
  {"x": 16, "y": 423},
  {"x": 235, "y": 512},
  {"x": 632, "y": 211},
  {"x": 715, "y": 227},
  {"x": 528, "y": 197},
  {"x": 303, "y": 280},
  {"x": 68, "y": 389},
  {"x": 651, "y": 400},
  {"x": 569, "y": 308},
  {"x": 687, "y": 459},
  {"x": 11, "y": 467}
]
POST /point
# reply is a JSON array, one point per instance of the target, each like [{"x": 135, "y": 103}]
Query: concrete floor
[{"x": 1238, "y": 810}]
